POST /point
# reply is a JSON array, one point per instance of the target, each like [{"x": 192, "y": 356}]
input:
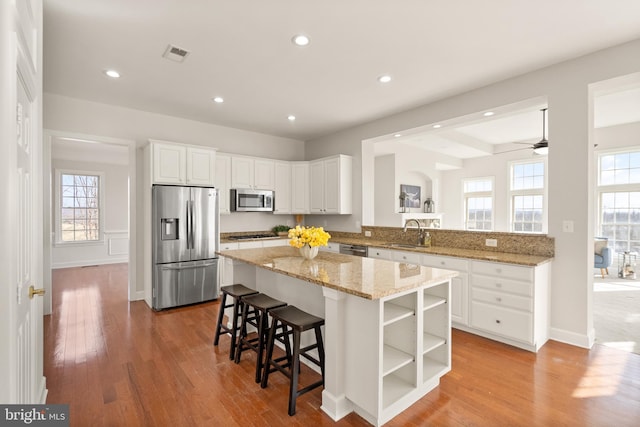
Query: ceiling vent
[{"x": 175, "y": 53}]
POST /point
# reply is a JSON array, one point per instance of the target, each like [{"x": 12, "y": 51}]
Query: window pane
[{"x": 80, "y": 213}]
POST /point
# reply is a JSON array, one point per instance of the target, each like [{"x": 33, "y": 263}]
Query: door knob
[{"x": 33, "y": 292}]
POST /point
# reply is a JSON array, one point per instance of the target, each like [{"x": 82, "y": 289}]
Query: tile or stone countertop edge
[
  {"x": 345, "y": 273},
  {"x": 491, "y": 256}
]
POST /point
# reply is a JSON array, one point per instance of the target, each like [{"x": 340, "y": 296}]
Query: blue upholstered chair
[{"x": 602, "y": 256}]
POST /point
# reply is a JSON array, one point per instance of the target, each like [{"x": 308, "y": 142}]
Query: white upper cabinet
[
  {"x": 182, "y": 164},
  {"x": 169, "y": 163},
  {"x": 264, "y": 175},
  {"x": 201, "y": 165},
  {"x": 223, "y": 182},
  {"x": 299, "y": 188},
  {"x": 250, "y": 172},
  {"x": 282, "y": 187},
  {"x": 330, "y": 185}
]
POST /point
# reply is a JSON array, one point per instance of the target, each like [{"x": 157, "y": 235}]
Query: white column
[{"x": 334, "y": 402}]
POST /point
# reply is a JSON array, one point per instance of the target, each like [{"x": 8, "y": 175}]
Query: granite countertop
[
  {"x": 364, "y": 277},
  {"x": 492, "y": 256}
]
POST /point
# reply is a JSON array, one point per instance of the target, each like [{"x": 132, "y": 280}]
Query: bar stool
[
  {"x": 293, "y": 320},
  {"x": 237, "y": 292},
  {"x": 254, "y": 312}
]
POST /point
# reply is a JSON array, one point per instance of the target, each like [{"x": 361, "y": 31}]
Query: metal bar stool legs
[
  {"x": 294, "y": 321},
  {"x": 236, "y": 292}
]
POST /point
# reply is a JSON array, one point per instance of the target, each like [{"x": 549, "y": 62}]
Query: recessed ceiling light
[
  {"x": 291, "y": 117},
  {"x": 437, "y": 126},
  {"x": 384, "y": 78},
  {"x": 218, "y": 99},
  {"x": 489, "y": 113},
  {"x": 112, "y": 73},
  {"x": 301, "y": 40},
  {"x": 397, "y": 135}
]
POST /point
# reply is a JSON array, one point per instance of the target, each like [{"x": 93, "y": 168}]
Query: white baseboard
[
  {"x": 568, "y": 337},
  {"x": 137, "y": 296},
  {"x": 86, "y": 263}
]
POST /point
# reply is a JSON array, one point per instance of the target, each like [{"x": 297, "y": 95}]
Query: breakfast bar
[{"x": 387, "y": 326}]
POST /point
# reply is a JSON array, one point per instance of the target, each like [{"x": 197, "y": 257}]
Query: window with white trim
[
  {"x": 619, "y": 199},
  {"x": 79, "y": 206},
  {"x": 528, "y": 196},
  {"x": 478, "y": 203}
]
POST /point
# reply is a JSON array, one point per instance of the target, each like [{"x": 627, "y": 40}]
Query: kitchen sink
[{"x": 402, "y": 245}]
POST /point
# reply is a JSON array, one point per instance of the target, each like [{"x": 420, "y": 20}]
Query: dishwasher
[{"x": 357, "y": 250}]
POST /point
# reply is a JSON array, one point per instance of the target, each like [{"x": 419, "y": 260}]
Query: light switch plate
[
  {"x": 491, "y": 242},
  {"x": 567, "y": 226},
  {"x": 367, "y": 233}
]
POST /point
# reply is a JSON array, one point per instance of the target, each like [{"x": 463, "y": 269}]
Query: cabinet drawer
[
  {"x": 502, "y": 321},
  {"x": 448, "y": 263},
  {"x": 502, "y": 299},
  {"x": 503, "y": 270},
  {"x": 274, "y": 242},
  {"x": 410, "y": 257},
  {"x": 380, "y": 253},
  {"x": 503, "y": 285},
  {"x": 331, "y": 247},
  {"x": 228, "y": 246}
]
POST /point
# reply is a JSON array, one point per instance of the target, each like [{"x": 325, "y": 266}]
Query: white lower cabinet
[
  {"x": 510, "y": 303},
  {"x": 225, "y": 266},
  {"x": 331, "y": 247},
  {"x": 459, "y": 285},
  {"x": 411, "y": 353},
  {"x": 504, "y": 302}
]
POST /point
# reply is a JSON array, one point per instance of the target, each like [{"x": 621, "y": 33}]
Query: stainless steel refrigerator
[{"x": 185, "y": 240}]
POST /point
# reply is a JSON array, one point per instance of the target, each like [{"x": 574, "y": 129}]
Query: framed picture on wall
[{"x": 411, "y": 195}]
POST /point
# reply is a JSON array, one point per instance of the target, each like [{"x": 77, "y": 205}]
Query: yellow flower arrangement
[{"x": 312, "y": 236}]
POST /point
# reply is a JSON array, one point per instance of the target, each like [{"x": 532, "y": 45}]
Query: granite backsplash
[{"x": 526, "y": 244}]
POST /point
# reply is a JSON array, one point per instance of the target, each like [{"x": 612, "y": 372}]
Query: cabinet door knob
[
  {"x": 497, "y": 320},
  {"x": 498, "y": 299},
  {"x": 442, "y": 263}
]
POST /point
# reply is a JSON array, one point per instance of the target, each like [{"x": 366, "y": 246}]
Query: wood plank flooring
[{"x": 121, "y": 364}]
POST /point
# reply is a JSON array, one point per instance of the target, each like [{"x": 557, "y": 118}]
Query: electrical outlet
[
  {"x": 491, "y": 242},
  {"x": 567, "y": 226},
  {"x": 367, "y": 233}
]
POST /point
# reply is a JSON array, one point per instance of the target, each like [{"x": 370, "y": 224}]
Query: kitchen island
[{"x": 387, "y": 324}]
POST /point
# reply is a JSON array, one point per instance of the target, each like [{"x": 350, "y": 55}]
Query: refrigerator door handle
[
  {"x": 193, "y": 234},
  {"x": 188, "y": 216},
  {"x": 188, "y": 267}
]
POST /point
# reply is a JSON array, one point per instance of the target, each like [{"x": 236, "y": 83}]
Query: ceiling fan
[{"x": 541, "y": 147}]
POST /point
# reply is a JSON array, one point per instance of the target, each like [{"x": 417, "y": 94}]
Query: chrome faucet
[{"x": 421, "y": 233}]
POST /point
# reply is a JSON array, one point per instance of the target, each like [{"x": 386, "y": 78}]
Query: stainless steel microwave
[{"x": 248, "y": 200}]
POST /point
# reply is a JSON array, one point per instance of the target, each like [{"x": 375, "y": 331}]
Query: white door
[{"x": 21, "y": 217}]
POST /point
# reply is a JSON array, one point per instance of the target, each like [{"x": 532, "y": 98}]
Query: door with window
[
  {"x": 619, "y": 199},
  {"x": 21, "y": 218}
]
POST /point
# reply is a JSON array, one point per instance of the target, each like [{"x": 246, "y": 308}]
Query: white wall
[
  {"x": 115, "y": 244},
  {"x": 75, "y": 116},
  {"x": 496, "y": 166},
  {"x": 407, "y": 166},
  {"x": 567, "y": 87}
]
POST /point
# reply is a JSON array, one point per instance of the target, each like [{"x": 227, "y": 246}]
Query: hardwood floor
[{"x": 121, "y": 364}]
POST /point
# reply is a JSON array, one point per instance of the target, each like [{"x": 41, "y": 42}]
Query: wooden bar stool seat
[
  {"x": 294, "y": 321},
  {"x": 255, "y": 312},
  {"x": 237, "y": 292}
]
